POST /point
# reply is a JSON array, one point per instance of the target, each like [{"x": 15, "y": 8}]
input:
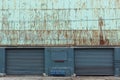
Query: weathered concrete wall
[{"x": 59, "y": 22}]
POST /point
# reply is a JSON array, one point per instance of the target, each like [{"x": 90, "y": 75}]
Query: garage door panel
[
  {"x": 22, "y": 58},
  {"x": 25, "y": 61},
  {"x": 24, "y": 72},
  {"x": 25, "y": 54},
  {"x": 24, "y": 65},
  {"x": 24, "y": 69},
  {"x": 94, "y": 61},
  {"x": 97, "y": 65},
  {"x": 22, "y": 55}
]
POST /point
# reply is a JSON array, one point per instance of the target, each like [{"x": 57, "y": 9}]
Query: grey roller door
[
  {"x": 25, "y": 61},
  {"x": 94, "y": 61}
]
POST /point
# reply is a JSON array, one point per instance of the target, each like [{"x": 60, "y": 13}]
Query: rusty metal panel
[{"x": 59, "y": 22}]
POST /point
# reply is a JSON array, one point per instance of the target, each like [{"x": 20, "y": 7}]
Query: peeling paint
[{"x": 59, "y": 22}]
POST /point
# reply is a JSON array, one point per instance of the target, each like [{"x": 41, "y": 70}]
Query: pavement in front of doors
[{"x": 59, "y": 78}]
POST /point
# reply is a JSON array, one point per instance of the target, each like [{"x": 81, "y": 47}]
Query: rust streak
[
  {"x": 84, "y": 5},
  {"x": 102, "y": 40},
  {"x": 118, "y": 3},
  {"x": 101, "y": 23}
]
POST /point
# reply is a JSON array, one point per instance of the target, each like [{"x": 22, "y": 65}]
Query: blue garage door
[
  {"x": 94, "y": 61},
  {"x": 25, "y": 61}
]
